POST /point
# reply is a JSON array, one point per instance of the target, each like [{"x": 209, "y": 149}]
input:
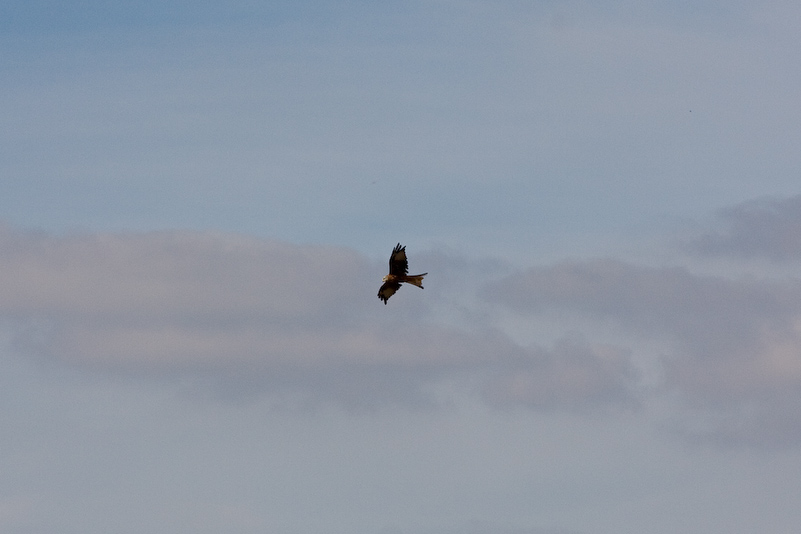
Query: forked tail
[{"x": 415, "y": 280}]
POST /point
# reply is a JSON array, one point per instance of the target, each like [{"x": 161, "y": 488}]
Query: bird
[{"x": 398, "y": 273}]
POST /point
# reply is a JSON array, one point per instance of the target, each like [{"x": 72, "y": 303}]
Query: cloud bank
[
  {"x": 247, "y": 316},
  {"x": 242, "y": 316},
  {"x": 731, "y": 346}
]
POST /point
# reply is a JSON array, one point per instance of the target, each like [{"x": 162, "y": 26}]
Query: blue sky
[{"x": 199, "y": 200}]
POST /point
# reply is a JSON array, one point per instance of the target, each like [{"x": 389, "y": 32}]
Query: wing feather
[
  {"x": 398, "y": 264},
  {"x": 387, "y": 290}
]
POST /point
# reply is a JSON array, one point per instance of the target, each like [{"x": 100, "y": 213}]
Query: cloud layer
[
  {"x": 251, "y": 316},
  {"x": 769, "y": 228},
  {"x": 242, "y": 316},
  {"x": 730, "y": 346}
]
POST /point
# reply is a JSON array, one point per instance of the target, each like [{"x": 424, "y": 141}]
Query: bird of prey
[{"x": 398, "y": 272}]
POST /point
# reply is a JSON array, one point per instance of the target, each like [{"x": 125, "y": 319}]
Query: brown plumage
[{"x": 398, "y": 273}]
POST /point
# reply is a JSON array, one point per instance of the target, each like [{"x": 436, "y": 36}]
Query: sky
[{"x": 199, "y": 200}]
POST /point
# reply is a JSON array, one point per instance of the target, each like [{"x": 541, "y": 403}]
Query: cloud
[
  {"x": 237, "y": 316},
  {"x": 769, "y": 228},
  {"x": 730, "y": 345},
  {"x": 244, "y": 316},
  {"x": 486, "y": 527},
  {"x": 574, "y": 375}
]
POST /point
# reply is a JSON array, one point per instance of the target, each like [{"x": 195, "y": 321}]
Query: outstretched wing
[
  {"x": 398, "y": 264},
  {"x": 387, "y": 290}
]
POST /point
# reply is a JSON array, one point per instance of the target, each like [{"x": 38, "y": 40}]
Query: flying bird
[{"x": 398, "y": 272}]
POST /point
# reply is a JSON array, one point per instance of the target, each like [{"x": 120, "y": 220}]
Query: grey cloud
[
  {"x": 769, "y": 421},
  {"x": 486, "y": 527},
  {"x": 730, "y": 345},
  {"x": 707, "y": 313},
  {"x": 573, "y": 375},
  {"x": 769, "y": 228},
  {"x": 169, "y": 275},
  {"x": 241, "y": 316}
]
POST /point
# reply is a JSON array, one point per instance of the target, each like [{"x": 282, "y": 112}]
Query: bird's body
[{"x": 398, "y": 273}]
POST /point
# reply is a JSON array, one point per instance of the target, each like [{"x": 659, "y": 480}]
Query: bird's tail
[{"x": 415, "y": 280}]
